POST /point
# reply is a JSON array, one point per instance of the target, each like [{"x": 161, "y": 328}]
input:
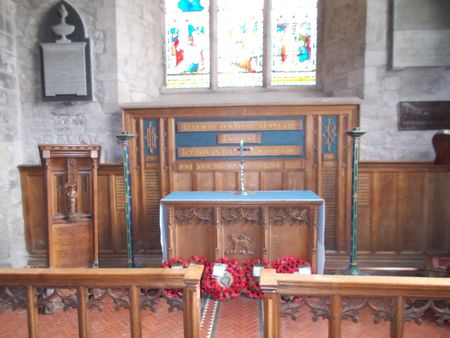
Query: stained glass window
[
  {"x": 294, "y": 42},
  {"x": 187, "y": 44},
  {"x": 239, "y": 43}
]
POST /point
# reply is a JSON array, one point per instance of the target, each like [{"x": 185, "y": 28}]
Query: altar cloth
[{"x": 252, "y": 196}]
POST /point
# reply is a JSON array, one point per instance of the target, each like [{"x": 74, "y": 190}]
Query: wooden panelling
[
  {"x": 294, "y": 147},
  {"x": 34, "y": 209},
  {"x": 404, "y": 215},
  {"x": 112, "y": 234}
]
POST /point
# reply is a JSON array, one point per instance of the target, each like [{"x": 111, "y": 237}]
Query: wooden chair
[{"x": 441, "y": 144}]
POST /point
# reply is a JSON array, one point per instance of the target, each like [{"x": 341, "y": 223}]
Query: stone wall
[
  {"x": 384, "y": 88},
  {"x": 139, "y": 46},
  {"x": 11, "y": 229},
  {"x": 342, "y": 42}
]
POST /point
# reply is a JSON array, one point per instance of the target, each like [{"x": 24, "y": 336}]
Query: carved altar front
[{"x": 265, "y": 224}]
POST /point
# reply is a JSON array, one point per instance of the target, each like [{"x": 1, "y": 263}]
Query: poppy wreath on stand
[
  {"x": 290, "y": 264},
  {"x": 226, "y": 286},
  {"x": 172, "y": 263},
  {"x": 252, "y": 289}
]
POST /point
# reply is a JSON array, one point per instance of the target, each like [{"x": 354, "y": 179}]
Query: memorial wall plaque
[
  {"x": 431, "y": 115},
  {"x": 65, "y": 69},
  {"x": 65, "y": 56}
]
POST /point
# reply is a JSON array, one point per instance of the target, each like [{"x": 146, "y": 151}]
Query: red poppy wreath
[
  {"x": 226, "y": 284},
  {"x": 289, "y": 264},
  {"x": 173, "y": 263},
  {"x": 252, "y": 289}
]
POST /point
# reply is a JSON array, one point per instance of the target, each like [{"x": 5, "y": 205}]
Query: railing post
[
  {"x": 269, "y": 285},
  {"x": 397, "y": 320},
  {"x": 135, "y": 312},
  {"x": 31, "y": 312},
  {"x": 191, "y": 314},
  {"x": 334, "y": 324},
  {"x": 82, "y": 313}
]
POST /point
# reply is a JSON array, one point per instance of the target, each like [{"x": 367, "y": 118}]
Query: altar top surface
[{"x": 252, "y": 196}]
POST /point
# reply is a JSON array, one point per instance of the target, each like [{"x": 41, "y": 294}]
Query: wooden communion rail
[
  {"x": 334, "y": 297},
  {"x": 30, "y": 288}
]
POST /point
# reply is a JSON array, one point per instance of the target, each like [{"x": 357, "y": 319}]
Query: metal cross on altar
[{"x": 242, "y": 149}]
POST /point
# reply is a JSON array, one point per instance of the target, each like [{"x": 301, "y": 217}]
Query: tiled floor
[{"x": 237, "y": 318}]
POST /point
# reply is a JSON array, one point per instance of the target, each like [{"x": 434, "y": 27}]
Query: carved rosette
[
  {"x": 382, "y": 309},
  {"x": 415, "y": 309},
  {"x": 249, "y": 215},
  {"x": 188, "y": 215},
  {"x": 441, "y": 310},
  {"x": 13, "y": 298},
  {"x": 51, "y": 299},
  {"x": 279, "y": 216},
  {"x": 351, "y": 307},
  {"x": 320, "y": 307}
]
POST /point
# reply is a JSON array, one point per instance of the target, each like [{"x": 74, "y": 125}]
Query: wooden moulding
[
  {"x": 332, "y": 293},
  {"x": 83, "y": 279}
]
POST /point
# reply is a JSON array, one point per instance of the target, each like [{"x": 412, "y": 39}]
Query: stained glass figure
[
  {"x": 187, "y": 44},
  {"x": 240, "y": 43},
  {"x": 294, "y": 42}
]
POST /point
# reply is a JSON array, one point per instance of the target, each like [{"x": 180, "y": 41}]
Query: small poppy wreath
[
  {"x": 228, "y": 286},
  {"x": 252, "y": 289},
  {"x": 174, "y": 293},
  {"x": 197, "y": 260},
  {"x": 289, "y": 264}
]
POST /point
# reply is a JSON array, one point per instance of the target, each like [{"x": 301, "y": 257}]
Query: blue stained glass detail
[
  {"x": 329, "y": 134},
  {"x": 190, "y": 5}
]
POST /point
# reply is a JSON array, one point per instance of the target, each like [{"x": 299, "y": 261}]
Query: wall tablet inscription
[
  {"x": 65, "y": 56},
  {"x": 424, "y": 115},
  {"x": 219, "y": 138}
]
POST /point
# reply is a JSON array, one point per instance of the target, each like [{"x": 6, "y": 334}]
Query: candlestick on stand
[
  {"x": 353, "y": 269},
  {"x": 124, "y": 137},
  {"x": 241, "y": 150}
]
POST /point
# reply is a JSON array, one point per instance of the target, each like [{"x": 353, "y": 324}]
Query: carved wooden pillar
[{"x": 72, "y": 204}]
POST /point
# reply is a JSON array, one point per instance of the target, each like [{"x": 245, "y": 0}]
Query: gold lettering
[
  {"x": 239, "y": 125},
  {"x": 233, "y": 151}
]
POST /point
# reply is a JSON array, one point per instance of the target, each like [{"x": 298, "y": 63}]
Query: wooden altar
[{"x": 264, "y": 224}]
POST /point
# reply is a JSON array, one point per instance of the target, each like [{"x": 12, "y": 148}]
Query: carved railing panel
[
  {"x": 46, "y": 290},
  {"x": 13, "y": 298},
  {"x": 392, "y": 299}
]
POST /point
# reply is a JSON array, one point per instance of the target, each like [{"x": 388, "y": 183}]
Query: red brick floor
[{"x": 236, "y": 318}]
